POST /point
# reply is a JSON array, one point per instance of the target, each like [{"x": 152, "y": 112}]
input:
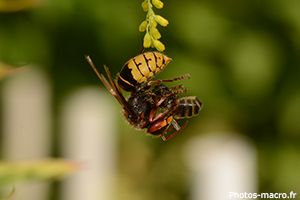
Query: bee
[
  {"x": 187, "y": 107},
  {"x": 146, "y": 105},
  {"x": 175, "y": 110},
  {"x": 141, "y": 107}
]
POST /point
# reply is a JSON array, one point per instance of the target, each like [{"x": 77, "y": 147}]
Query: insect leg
[
  {"x": 174, "y": 125},
  {"x": 179, "y": 91},
  {"x": 150, "y": 83},
  {"x": 142, "y": 50},
  {"x": 165, "y": 139},
  {"x": 160, "y": 115},
  {"x": 170, "y": 94}
]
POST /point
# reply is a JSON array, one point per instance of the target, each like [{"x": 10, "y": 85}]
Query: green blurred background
[{"x": 243, "y": 58}]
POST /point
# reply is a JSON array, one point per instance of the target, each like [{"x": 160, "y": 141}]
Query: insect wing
[
  {"x": 119, "y": 96},
  {"x": 175, "y": 124},
  {"x": 114, "y": 90}
]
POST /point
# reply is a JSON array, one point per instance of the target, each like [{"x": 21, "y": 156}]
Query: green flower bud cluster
[{"x": 149, "y": 25}]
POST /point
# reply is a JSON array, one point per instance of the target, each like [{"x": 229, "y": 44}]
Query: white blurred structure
[
  {"x": 89, "y": 126},
  {"x": 26, "y": 123},
  {"x": 221, "y": 164},
  {"x": 87, "y": 129}
]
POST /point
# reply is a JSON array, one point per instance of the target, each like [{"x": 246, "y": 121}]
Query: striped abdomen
[
  {"x": 187, "y": 107},
  {"x": 140, "y": 69}
]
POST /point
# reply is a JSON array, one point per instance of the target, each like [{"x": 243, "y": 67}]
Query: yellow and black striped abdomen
[
  {"x": 140, "y": 69},
  {"x": 187, "y": 107}
]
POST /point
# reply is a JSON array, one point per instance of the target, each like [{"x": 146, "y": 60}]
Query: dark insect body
[{"x": 157, "y": 109}]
